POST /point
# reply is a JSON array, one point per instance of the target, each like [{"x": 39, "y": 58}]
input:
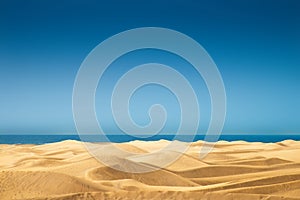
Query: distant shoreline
[{"x": 42, "y": 139}]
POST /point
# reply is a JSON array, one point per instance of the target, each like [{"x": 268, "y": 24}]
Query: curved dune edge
[{"x": 234, "y": 170}]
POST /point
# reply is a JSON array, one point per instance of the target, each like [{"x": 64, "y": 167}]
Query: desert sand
[{"x": 233, "y": 170}]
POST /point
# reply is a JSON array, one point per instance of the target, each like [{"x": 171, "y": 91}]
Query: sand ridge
[{"x": 233, "y": 170}]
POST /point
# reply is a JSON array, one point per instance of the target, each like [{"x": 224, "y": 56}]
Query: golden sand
[{"x": 233, "y": 170}]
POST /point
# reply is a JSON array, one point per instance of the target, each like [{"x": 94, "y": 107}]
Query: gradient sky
[{"x": 255, "y": 45}]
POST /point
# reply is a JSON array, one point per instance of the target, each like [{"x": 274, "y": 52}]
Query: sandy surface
[{"x": 234, "y": 170}]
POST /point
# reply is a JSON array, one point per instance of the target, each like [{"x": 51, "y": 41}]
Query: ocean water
[{"x": 42, "y": 139}]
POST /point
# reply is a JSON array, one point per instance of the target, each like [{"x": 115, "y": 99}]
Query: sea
[{"x": 42, "y": 139}]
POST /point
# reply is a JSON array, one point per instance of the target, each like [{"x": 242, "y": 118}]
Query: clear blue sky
[{"x": 255, "y": 44}]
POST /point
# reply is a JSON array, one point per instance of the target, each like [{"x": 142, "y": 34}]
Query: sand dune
[{"x": 233, "y": 170}]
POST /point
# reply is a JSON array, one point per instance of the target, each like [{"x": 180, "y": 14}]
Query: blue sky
[{"x": 255, "y": 45}]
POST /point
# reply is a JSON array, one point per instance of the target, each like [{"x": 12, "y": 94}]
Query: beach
[{"x": 233, "y": 170}]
